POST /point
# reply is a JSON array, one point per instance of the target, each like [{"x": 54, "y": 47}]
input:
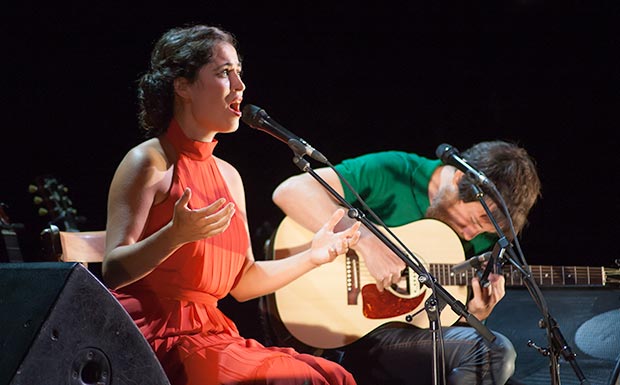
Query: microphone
[
  {"x": 451, "y": 156},
  {"x": 473, "y": 262},
  {"x": 257, "y": 118}
]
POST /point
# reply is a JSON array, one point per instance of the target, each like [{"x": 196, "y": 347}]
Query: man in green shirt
[{"x": 401, "y": 188}]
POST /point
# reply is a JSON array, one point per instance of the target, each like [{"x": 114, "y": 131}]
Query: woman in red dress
[{"x": 177, "y": 232}]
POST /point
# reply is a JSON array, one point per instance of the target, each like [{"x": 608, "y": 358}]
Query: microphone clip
[{"x": 496, "y": 259}]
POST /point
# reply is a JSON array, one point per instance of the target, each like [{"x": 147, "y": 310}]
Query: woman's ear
[{"x": 181, "y": 87}]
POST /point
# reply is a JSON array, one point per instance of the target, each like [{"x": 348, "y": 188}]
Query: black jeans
[{"x": 403, "y": 354}]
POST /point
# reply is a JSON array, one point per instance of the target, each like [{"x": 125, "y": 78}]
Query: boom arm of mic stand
[{"x": 425, "y": 278}]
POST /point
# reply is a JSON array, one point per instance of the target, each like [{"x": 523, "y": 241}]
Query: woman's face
[{"x": 214, "y": 98}]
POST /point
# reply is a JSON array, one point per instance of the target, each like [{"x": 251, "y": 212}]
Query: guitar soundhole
[{"x": 378, "y": 305}]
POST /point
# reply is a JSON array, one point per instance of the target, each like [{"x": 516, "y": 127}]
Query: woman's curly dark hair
[
  {"x": 513, "y": 172},
  {"x": 180, "y": 52}
]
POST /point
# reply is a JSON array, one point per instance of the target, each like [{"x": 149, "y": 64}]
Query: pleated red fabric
[{"x": 175, "y": 306}]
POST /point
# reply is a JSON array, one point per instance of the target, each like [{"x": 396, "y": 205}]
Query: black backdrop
[{"x": 349, "y": 79}]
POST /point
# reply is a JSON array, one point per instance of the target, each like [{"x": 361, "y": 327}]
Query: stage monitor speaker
[
  {"x": 589, "y": 320},
  {"x": 60, "y": 325}
]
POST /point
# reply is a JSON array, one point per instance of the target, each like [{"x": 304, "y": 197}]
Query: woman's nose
[{"x": 238, "y": 84}]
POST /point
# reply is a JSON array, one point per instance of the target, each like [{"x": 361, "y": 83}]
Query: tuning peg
[
  {"x": 49, "y": 182},
  {"x": 67, "y": 200},
  {"x": 43, "y": 211},
  {"x": 37, "y": 200},
  {"x": 32, "y": 189}
]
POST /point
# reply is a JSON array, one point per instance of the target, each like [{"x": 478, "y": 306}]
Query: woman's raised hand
[{"x": 327, "y": 244}]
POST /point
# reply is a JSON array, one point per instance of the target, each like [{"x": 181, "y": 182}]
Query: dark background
[{"x": 349, "y": 79}]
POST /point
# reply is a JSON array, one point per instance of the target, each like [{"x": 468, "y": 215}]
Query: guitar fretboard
[{"x": 543, "y": 275}]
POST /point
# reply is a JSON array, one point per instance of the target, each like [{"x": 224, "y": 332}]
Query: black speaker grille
[{"x": 86, "y": 336}]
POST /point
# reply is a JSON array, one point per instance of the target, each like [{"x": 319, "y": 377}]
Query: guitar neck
[{"x": 547, "y": 276}]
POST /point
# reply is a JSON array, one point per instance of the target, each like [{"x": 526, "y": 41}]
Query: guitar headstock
[
  {"x": 52, "y": 199},
  {"x": 612, "y": 275}
]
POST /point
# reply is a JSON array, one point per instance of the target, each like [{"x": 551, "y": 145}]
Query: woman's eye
[{"x": 228, "y": 71}]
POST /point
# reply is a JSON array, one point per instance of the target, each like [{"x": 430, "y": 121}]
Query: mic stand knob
[
  {"x": 300, "y": 162},
  {"x": 544, "y": 351}
]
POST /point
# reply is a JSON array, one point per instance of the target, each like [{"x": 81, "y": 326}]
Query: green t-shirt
[{"x": 394, "y": 184}]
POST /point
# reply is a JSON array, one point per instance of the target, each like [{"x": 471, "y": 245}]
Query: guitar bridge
[{"x": 353, "y": 277}]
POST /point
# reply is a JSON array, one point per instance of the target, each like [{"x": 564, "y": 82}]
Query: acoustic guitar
[{"x": 338, "y": 303}]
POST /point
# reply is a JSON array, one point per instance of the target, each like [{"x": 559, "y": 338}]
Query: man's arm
[{"x": 308, "y": 203}]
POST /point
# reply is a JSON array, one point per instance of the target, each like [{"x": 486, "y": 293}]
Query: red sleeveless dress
[{"x": 175, "y": 306}]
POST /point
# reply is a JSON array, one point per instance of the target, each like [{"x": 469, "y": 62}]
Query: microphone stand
[
  {"x": 557, "y": 342},
  {"x": 431, "y": 305}
]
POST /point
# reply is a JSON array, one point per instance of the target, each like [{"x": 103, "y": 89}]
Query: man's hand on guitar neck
[{"x": 485, "y": 298}]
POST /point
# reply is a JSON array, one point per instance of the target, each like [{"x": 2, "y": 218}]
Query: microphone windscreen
[
  {"x": 444, "y": 151},
  {"x": 251, "y": 115},
  {"x": 441, "y": 149}
]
